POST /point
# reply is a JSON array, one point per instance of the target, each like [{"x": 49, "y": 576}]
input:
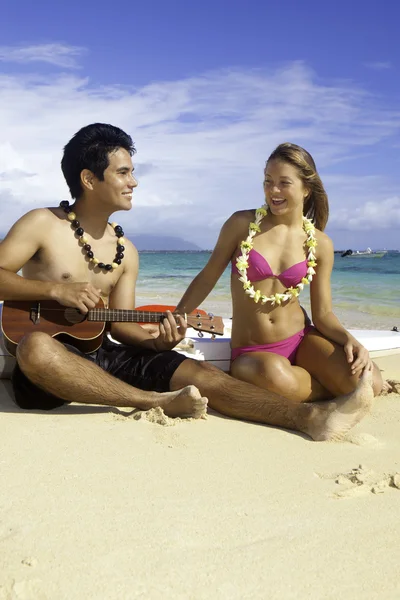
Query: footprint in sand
[
  {"x": 31, "y": 589},
  {"x": 29, "y": 562},
  {"x": 363, "y": 439},
  {"x": 391, "y": 386},
  {"x": 153, "y": 415},
  {"x": 360, "y": 481},
  {"x": 156, "y": 415}
]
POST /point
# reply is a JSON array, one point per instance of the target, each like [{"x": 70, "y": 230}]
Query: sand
[{"x": 99, "y": 503}]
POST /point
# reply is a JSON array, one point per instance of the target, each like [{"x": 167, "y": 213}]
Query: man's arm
[
  {"x": 123, "y": 297},
  {"x": 22, "y": 242}
]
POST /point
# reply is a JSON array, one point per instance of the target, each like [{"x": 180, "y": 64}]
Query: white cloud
[
  {"x": 369, "y": 216},
  {"x": 202, "y": 142},
  {"x": 59, "y": 55}
]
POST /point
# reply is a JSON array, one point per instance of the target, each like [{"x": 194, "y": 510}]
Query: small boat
[{"x": 368, "y": 253}]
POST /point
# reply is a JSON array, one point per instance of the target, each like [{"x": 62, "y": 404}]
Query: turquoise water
[
  {"x": 365, "y": 291},
  {"x": 371, "y": 285}
]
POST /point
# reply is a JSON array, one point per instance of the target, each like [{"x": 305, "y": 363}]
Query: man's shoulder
[
  {"x": 33, "y": 223},
  {"x": 130, "y": 246},
  {"x": 131, "y": 256},
  {"x": 37, "y": 216}
]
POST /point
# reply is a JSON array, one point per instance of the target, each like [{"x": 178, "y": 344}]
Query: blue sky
[{"x": 207, "y": 90}]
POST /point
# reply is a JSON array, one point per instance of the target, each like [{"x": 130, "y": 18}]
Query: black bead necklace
[{"x": 80, "y": 232}]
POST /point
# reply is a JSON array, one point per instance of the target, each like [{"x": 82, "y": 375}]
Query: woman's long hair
[{"x": 316, "y": 206}]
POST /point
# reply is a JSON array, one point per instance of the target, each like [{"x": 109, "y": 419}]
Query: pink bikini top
[{"x": 259, "y": 269}]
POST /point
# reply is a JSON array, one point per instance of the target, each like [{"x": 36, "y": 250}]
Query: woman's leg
[
  {"x": 326, "y": 362},
  {"x": 275, "y": 373}
]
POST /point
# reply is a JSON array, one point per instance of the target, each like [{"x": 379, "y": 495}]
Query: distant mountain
[{"x": 160, "y": 242}]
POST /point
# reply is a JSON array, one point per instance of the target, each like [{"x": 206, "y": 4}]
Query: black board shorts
[{"x": 141, "y": 368}]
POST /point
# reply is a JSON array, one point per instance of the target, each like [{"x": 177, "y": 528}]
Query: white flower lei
[{"x": 242, "y": 263}]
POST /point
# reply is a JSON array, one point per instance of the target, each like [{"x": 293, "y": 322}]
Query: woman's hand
[
  {"x": 357, "y": 355},
  {"x": 171, "y": 332}
]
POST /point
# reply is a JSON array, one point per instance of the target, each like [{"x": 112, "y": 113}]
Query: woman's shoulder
[
  {"x": 324, "y": 242},
  {"x": 238, "y": 223},
  {"x": 243, "y": 216},
  {"x": 322, "y": 238},
  {"x": 236, "y": 227}
]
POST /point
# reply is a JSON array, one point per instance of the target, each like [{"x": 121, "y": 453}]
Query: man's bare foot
[
  {"x": 330, "y": 421},
  {"x": 186, "y": 402}
]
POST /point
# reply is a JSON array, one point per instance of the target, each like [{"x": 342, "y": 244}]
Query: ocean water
[{"x": 365, "y": 291}]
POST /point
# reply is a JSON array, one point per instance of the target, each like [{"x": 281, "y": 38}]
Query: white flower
[{"x": 242, "y": 262}]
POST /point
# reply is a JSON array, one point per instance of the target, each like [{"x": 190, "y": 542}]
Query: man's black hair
[{"x": 89, "y": 149}]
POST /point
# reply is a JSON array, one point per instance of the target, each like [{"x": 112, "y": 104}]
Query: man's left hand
[{"x": 172, "y": 331}]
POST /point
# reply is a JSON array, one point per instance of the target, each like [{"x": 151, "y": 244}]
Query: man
[{"x": 72, "y": 254}]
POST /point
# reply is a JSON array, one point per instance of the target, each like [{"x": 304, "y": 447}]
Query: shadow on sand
[{"x": 7, "y": 405}]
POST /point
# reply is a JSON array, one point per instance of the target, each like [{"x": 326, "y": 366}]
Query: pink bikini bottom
[{"x": 287, "y": 348}]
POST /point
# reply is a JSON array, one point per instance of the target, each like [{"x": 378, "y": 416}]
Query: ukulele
[{"x": 86, "y": 332}]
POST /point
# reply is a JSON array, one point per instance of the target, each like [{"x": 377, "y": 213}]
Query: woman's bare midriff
[{"x": 256, "y": 324}]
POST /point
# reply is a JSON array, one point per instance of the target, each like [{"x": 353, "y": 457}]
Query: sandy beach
[{"x": 97, "y": 503}]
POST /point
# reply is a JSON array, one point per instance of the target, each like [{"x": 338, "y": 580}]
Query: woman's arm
[
  {"x": 205, "y": 281},
  {"x": 321, "y": 308},
  {"x": 123, "y": 297}
]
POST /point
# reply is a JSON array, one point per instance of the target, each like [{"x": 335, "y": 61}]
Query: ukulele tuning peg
[
  {"x": 211, "y": 315},
  {"x": 200, "y": 334},
  {"x": 213, "y": 336}
]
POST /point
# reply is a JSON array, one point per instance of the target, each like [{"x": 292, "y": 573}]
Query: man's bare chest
[{"x": 62, "y": 259}]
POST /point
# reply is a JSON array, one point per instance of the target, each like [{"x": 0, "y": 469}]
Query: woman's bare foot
[
  {"x": 390, "y": 386},
  {"x": 330, "y": 421},
  {"x": 186, "y": 402}
]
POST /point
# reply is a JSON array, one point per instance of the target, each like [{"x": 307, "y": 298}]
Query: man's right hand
[{"x": 82, "y": 296}]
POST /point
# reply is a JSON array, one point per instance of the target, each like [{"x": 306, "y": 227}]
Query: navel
[{"x": 66, "y": 276}]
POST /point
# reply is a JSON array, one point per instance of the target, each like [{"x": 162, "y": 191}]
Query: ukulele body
[{"x": 68, "y": 325}]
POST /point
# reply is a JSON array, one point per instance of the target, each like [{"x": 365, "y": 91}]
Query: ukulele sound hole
[{"x": 73, "y": 316}]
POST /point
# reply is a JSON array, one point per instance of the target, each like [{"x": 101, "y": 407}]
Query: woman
[{"x": 276, "y": 252}]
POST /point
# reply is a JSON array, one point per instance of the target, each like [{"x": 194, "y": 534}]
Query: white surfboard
[{"x": 218, "y": 351}]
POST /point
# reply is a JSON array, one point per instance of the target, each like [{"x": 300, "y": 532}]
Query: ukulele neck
[{"x": 120, "y": 315}]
